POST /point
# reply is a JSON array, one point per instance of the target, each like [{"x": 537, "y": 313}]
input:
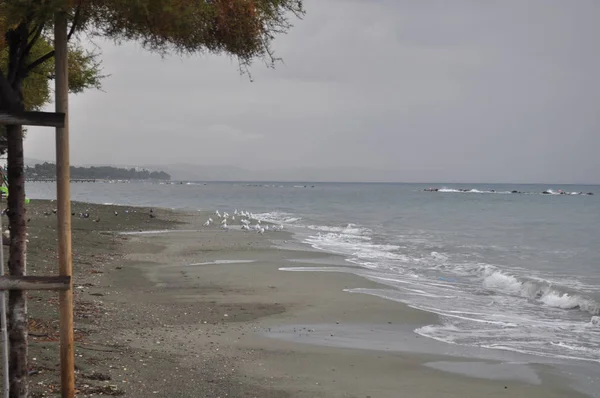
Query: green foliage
[
  {"x": 48, "y": 170},
  {"x": 84, "y": 73},
  {"x": 241, "y": 28}
]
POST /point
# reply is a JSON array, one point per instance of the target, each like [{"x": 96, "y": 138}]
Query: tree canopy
[
  {"x": 241, "y": 28},
  {"x": 84, "y": 73},
  {"x": 48, "y": 170}
]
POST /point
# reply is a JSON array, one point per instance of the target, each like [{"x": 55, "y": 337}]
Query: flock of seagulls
[{"x": 246, "y": 220}]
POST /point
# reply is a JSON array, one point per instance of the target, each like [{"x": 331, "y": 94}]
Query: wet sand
[{"x": 203, "y": 312}]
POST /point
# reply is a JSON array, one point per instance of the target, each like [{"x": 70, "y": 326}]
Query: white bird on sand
[
  {"x": 232, "y": 218},
  {"x": 207, "y": 223},
  {"x": 224, "y": 222},
  {"x": 244, "y": 221},
  {"x": 225, "y": 215},
  {"x": 245, "y": 227},
  {"x": 260, "y": 230},
  {"x": 235, "y": 212},
  {"x": 217, "y": 214},
  {"x": 225, "y": 226}
]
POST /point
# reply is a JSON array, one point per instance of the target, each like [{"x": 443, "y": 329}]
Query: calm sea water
[{"x": 517, "y": 272}]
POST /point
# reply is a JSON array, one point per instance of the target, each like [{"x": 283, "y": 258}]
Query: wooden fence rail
[{"x": 35, "y": 282}]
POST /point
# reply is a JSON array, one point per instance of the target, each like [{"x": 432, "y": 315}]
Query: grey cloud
[{"x": 428, "y": 90}]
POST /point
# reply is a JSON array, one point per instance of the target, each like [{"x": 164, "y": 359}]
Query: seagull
[
  {"x": 224, "y": 222},
  {"x": 217, "y": 214},
  {"x": 207, "y": 223},
  {"x": 224, "y": 226},
  {"x": 245, "y": 227}
]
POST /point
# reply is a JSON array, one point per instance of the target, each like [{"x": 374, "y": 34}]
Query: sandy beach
[{"x": 190, "y": 311}]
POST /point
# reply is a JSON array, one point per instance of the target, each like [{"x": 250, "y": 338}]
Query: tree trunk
[{"x": 17, "y": 300}]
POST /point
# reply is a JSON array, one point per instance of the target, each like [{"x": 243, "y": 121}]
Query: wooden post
[
  {"x": 3, "y": 328},
  {"x": 63, "y": 200},
  {"x": 35, "y": 283},
  {"x": 47, "y": 119},
  {"x": 17, "y": 300}
]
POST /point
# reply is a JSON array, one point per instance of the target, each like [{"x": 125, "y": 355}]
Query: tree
[
  {"x": 240, "y": 28},
  {"x": 84, "y": 73}
]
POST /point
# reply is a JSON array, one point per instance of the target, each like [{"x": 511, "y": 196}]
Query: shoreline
[{"x": 164, "y": 327}]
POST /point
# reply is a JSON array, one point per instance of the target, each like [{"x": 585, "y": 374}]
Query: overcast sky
[{"x": 462, "y": 90}]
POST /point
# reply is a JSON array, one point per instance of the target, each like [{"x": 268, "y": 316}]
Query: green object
[{"x": 4, "y": 191}]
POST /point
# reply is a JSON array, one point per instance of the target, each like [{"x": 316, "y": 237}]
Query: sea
[{"x": 504, "y": 270}]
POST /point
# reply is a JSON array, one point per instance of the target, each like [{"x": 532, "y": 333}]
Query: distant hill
[
  {"x": 190, "y": 172},
  {"x": 48, "y": 170}
]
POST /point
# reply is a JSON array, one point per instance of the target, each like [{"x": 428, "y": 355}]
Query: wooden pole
[
  {"x": 17, "y": 300},
  {"x": 3, "y": 329},
  {"x": 35, "y": 283},
  {"x": 65, "y": 265},
  {"x": 32, "y": 118}
]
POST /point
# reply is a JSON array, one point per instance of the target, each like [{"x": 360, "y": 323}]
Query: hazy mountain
[{"x": 189, "y": 172}]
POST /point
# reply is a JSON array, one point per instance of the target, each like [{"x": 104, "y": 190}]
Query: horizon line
[{"x": 389, "y": 182}]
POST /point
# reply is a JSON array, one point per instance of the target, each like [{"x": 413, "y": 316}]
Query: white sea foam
[
  {"x": 453, "y": 190},
  {"x": 350, "y": 229},
  {"x": 355, "y": 245},
  {"x": 538, "y": 290},
  {"x": 482, "y": 304},
  {"x": 277, "y": 217}
]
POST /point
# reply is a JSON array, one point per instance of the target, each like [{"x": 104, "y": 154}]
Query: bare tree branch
[
  {"x": 37, "y": 33},
  {"x": 50, "y": 54},
  {"x": 40, "y": 61},
  {"x": 75, "y": 20}
]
